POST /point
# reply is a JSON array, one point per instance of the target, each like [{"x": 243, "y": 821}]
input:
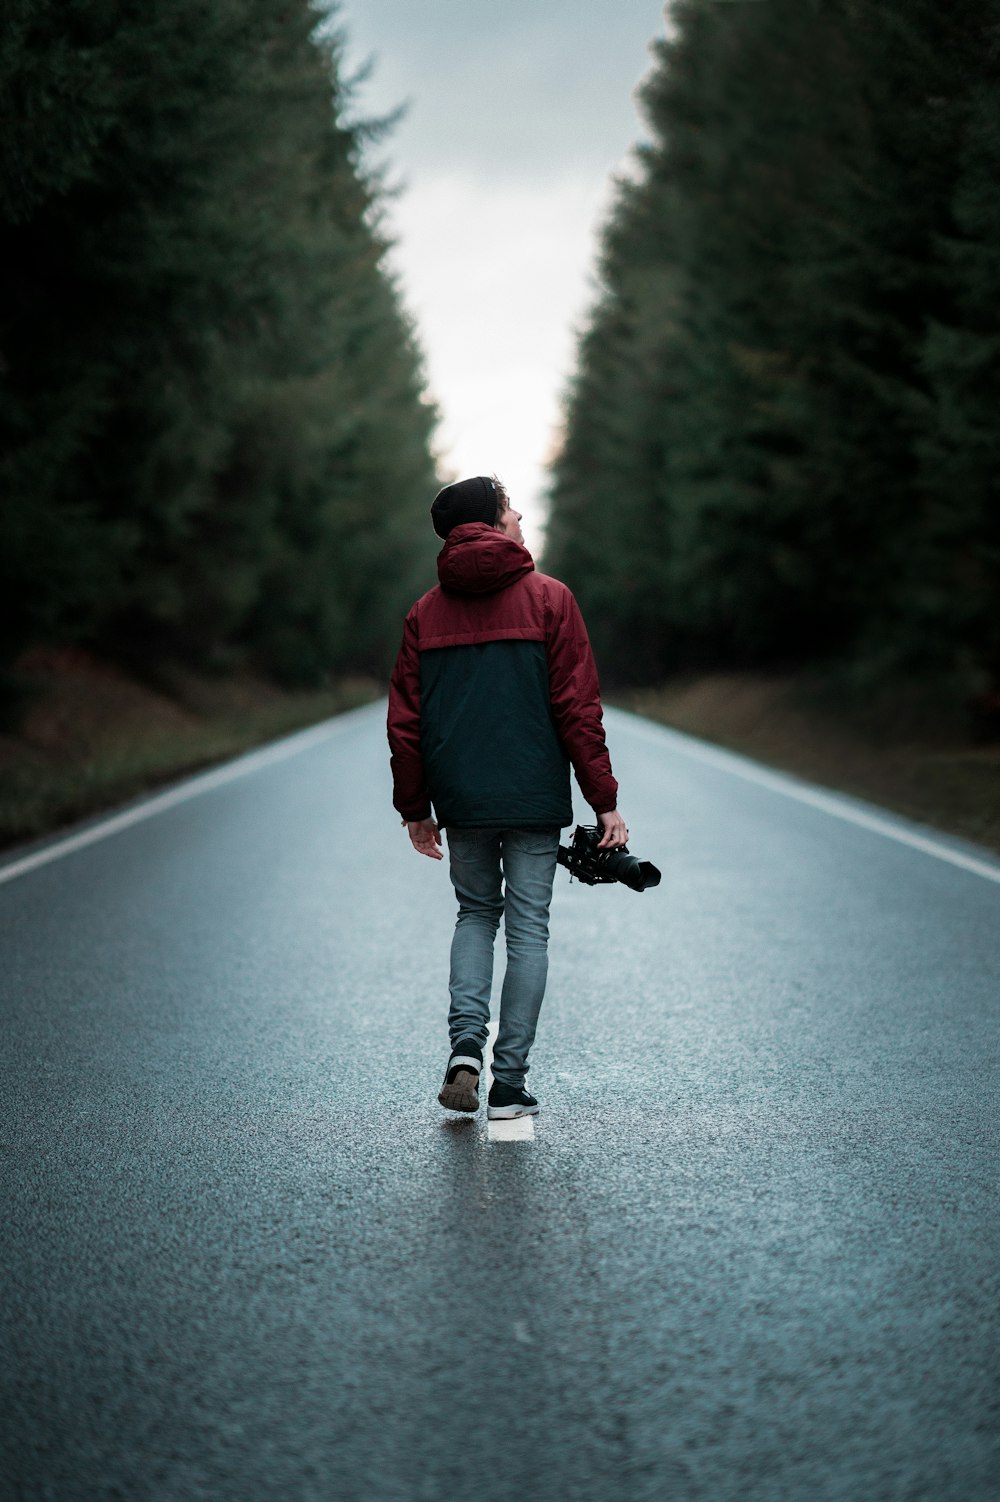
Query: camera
[{"x": 583, "y": 860}]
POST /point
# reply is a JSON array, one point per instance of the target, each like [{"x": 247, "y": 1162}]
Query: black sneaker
[
  {"x": 508, "y": 1101},
  {"x": 460, "y": 1091}
]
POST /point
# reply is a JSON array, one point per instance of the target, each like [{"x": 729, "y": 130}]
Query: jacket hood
[{"x": 479, "y": 560}]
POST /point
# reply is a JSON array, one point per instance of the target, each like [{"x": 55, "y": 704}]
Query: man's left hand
[{"x": 425, "y": 837}]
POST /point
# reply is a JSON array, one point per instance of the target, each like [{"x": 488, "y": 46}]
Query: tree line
[
  {"x": 214, "y": 445},
  {"x": 782, "y": 443}
]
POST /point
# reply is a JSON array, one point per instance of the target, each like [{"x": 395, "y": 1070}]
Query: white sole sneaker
[{"x": 511, "y": 1113}]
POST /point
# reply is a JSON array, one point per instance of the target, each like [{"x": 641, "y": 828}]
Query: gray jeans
[{"x": 526, "y": 859}]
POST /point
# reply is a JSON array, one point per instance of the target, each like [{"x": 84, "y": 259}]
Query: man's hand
[
  {"x": 615, "y": 833},
  {"x": 425, "y": 837}
]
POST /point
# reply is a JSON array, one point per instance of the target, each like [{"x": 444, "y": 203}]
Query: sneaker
[
  {"x": 460, "y": 1091},
  {"x": 508, "y": 1101}
]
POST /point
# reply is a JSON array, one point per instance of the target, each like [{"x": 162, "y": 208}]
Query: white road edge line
[
  {"x": 827, "y": 803},
  {"x": 522, "y": 1128},
  {"x": 193, "y": 787}
]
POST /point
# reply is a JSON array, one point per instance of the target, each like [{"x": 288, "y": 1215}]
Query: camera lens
[{"x": 635, "y": 874}]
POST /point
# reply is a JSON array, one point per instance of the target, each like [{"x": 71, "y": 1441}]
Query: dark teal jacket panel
[{"x": 491, "y": 752}]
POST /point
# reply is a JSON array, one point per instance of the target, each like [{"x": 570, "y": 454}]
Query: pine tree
[
  {"x": 955, "y": 587},
  {"x": 757, "y": 369},
  {"x": 211, "y": 400}
]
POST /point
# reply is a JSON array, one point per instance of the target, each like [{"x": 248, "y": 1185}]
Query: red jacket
[{"x": 495, "y": 693}]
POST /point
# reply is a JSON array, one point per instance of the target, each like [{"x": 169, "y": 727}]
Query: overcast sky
[{"x": 519, "y": 113}]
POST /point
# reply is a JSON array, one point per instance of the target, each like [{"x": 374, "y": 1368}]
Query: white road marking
[
  {"x": 192, "y": 787},
  {"x": 827, "y": 803},
  {"x": 521, "y": 1128}
]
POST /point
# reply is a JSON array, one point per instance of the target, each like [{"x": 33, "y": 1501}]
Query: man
[{"x": 493, "y": 696}]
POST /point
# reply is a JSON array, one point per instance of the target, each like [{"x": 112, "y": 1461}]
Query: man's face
[{"x": 510, "y": 523}]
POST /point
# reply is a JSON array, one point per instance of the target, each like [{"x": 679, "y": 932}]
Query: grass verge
[
  {"x": 895, "y": 747},
  {"x": 87, "y": 736}
]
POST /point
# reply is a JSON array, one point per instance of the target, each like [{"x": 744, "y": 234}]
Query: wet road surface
[{"x": 750, "y": 1251}]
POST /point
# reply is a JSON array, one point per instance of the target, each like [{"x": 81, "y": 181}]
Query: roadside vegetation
[
  {"x": 780, "y": 468},
  {"x": 215, "y": 444}
]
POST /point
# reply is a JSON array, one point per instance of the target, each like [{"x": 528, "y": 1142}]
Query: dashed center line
[{"x": 521, "y": 1128}]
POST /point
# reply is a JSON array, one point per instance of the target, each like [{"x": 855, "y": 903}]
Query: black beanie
[{"x": 474, "y": 500}]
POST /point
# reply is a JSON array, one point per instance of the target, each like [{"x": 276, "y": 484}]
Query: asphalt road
[{"x": 750, "y": 1252}]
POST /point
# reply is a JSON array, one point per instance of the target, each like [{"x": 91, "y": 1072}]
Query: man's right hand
[
  {"x": 615, "y": 832},
  {"x": 425, "y": 837}
]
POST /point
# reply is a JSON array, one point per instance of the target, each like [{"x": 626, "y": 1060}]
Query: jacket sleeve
[
  {"x": 409, "y": 787},
  {"x": 575, "y": 696}
]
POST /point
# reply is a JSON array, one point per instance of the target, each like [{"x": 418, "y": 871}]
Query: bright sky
[{"x": 519, "y": 113}]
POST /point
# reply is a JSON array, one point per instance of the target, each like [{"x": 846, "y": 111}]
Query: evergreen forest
[
  {"x": 214, "y": 446},
  {"x": 782, "y": 438}
]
